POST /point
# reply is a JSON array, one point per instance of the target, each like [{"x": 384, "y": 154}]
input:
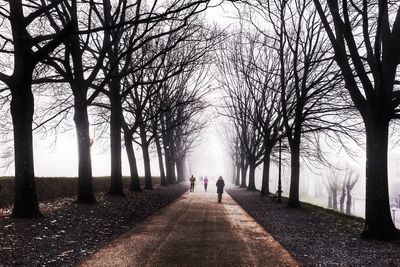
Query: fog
[{"x": 210, "y": 158}]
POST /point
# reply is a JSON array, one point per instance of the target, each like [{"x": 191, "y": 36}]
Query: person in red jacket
[
  {"x": 205, "y": 182},
  {"x": 220, "y": 188}
]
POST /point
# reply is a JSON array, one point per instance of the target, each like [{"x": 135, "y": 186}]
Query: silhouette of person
[
  {"x": 192, "y": 180},
  {"x": 205, "y": 182},
  {"x": 220, "y": 188}
]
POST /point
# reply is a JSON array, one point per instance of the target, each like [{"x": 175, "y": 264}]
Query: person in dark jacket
[
  {"x": 192, "y": 180},
  {"x": 220, "y": 188}
]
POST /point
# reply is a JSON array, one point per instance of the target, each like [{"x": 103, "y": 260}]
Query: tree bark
[
  {"x": 85, "y": 179},
  {"x": 26, "y": 204},
  {"x": 334, "y": 199},
  {"x": 252, "y": 184},
  {"x": 180, "y": 171},
  {"x": 265, "y": 175},
  {"x": 237, "y": 175},
  {"x": 348, "y": 201},
  {"x": 342, "y": 197},
  {"x": 148, "y": 184},
  {"x": 378, "y": 221},
  {"x": 294, "y": 201},
  {"x": 130, "y": 152},
  {"x": 163, "y": 180},
  {"x": 116, "y": 187},
  {"x": 244, "y": 174}
]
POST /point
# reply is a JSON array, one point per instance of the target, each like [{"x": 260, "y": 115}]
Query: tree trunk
[
  {"x": 378, "y": 221},
  {"x": 330, "y": 199},
  {"x": 85, "y": 179},
  {"x": 163, "y": 180},
  {"x": 334, "y": 199},
  {"x": 348, "y": 202},
  {"x": 237, "y": 175},
  {"x": 130, "y": 152},
  {"x": 342, "y": 198},
  {"x": 116, "y": 187},
  {"x": 265, "y": 175},
  {"x": 294, "y": 201},
  {"x": 148, "y": 184},
  {"x": 172, "y": 162},
  {"x": 233, "y": 179},
  {"x": 244, "y": 174},
  {"x": 252, "y": 184},
  {"x": 180, "y": 171},
  {"x": 167, "y": 163},
  {"x": 26, "y": 204},
  {"x": 173, "y": 171}
]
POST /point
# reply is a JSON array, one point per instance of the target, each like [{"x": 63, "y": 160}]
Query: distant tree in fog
[
  {"x": 333, "y": 184},
  {"x": 247, "y": 68},
  {"x": 307, "y": 76}
]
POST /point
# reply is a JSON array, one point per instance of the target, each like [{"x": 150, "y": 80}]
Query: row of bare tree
[
  {"x": 341, "y": 183},
  {"x": 137, "y": 68},
  {"x": 305, "y": 69}
]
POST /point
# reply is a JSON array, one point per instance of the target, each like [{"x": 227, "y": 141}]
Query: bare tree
[
  {"x": 365, "y": 38},
  {"x": 124, "y": 44},
  {"x": 350, "y": 181},
  {"x": 28, "y": 48},
  {"x": 333, "y": 186}
]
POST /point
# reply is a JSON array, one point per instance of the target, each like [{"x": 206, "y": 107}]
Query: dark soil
[
  {"x": 317, "y": 237},
  {"x": 70, "y": 231}
]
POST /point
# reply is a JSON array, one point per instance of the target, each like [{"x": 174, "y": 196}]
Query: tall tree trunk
[
  {"x": 378, "y": 221},
  {"x": 334, "y": 199},
  {"x": 342, "y": 197},
  {"x": 348, "y": 201},
  {"x": 265, "y": 175},
  {"x": 148, "y": 184},
  {"x": 130, "y": 152},
  {"x": 85, "y": 179},
  {"x": 116, "y": 187},
  {"x": 252, "y": 178},
  {"x": 294, "y": 201},
  {"x": 244, "y": 174},
  {"x": 163, "y": 180},
  {"x": 237, "y": 182},
  {"x": 26, "y": 204},
  {"x": 233, "y": 179},
  {"x": 180, "y": 171},
  {"x": 167, "y": 163},
  {"x": 172, "y": 161},
  {"x": 173, "y": 171}
]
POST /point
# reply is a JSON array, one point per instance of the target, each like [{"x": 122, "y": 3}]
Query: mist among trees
[{"x": 289, "y": 74}]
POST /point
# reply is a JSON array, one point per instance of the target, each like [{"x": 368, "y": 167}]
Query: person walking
[
  {"x": 220, "y": 188},
  {"x": 205, "y": 182},
  {"x": 192, "y": 180}
]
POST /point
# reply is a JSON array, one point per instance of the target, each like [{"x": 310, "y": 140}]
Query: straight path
[{"x": 193, "y": 231}]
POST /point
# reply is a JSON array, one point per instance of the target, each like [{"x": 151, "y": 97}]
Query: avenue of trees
[
  {"x": 307, "y": 69},
  {"x": 290, "y": 74},
  {"x": 130, "y": 64}
]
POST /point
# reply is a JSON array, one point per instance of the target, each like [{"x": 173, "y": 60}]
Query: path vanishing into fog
[{"x": 195, "y": 230}]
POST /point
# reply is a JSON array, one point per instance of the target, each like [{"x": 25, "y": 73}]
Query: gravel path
[
  {"x": 196, "y": 231},
  {"x": 71, "y": 232},
  {"x": 316, "y": 237}
]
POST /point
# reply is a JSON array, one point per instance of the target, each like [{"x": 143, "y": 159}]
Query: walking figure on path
[
  {"x": 192, "y": 180},
  {"x": 205, "y": 182},
  {"x": 220, "y": 188}
]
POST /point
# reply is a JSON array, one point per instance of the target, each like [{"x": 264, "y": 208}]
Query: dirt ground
[{"x": 195, "y": 230}]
